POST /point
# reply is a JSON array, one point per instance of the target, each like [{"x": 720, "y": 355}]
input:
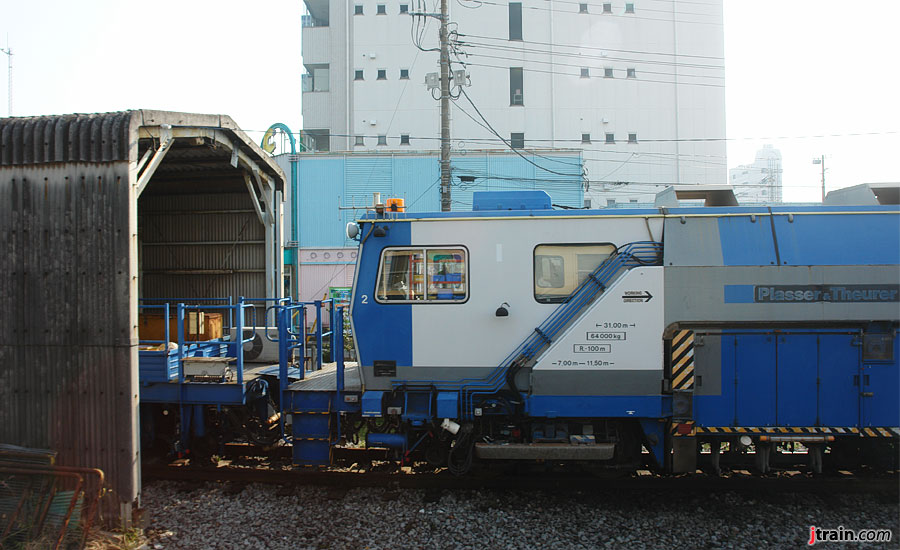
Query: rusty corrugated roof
[{"x": 98, "y": 137}]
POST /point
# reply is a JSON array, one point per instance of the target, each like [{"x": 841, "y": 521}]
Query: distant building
[
  {"x": 759, "y": 182},
  {"x": 638, "y": 86}
]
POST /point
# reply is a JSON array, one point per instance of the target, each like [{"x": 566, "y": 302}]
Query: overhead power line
[{"x": 592, "y": 48}]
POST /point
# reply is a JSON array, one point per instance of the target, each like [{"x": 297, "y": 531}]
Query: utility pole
[
  {"x": 9, "y": 54},
  {"x": 821, "y": 160},
  {"x": 445, "y": 110}
]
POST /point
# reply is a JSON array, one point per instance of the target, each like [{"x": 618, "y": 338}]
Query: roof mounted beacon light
[{"x": 395, "y": 205}]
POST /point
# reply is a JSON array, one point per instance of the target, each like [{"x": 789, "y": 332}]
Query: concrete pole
[{"x": 445, "y": 111}]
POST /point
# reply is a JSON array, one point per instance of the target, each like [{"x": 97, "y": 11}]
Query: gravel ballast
[{"x": 213, "y": 515}]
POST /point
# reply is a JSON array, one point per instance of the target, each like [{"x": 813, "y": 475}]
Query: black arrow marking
[{"x": 646, "y": 296}]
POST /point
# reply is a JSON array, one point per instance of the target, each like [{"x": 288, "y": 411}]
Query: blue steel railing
[
  {"x": 641, "y": 253},
  {"x": 224, "y": 346},
  {"x": 292, "y": 335}
]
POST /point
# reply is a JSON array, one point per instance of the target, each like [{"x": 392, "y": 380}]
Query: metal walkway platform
[{"x": 326, "y": 379}]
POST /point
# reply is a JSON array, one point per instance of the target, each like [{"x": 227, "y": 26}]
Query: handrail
[
  {"x": 235, "y": 311},
  {"x": 640, "y": 253}
]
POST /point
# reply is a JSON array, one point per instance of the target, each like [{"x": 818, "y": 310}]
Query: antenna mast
[{"x": 9, "y": 53}]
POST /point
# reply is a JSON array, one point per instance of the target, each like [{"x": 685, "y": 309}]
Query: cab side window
[
  {"x": 559, "y": 269},
  {"x": 422, "y": 275}
]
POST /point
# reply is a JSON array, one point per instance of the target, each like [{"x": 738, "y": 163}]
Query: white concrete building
[
  {"x": 639, "y": 85},
  {"x": 760, "y": 182}
]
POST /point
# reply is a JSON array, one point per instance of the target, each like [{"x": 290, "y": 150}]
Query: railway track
[{"x": 273, "y": 467}]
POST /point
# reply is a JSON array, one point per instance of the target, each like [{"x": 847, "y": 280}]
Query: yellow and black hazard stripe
[
  {"x": 823, "y": 430},
  {"x": 683, "y": 360}
]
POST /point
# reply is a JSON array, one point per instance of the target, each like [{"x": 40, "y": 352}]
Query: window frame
[
  {"x": 521, "y": 89},
  {"x": 582, "y": 7},
  {"x": 402, "y": 77},
  {"x": 358, "y": 9},
  {"x": 359, "y": 75},
  {"x": 424, "y": 250},
  {"x": 632, "y": 137},
  {"x": 610, "y": 138},
  {"x": 585, "y": 72},
  {"x": 608, "y": 72},
  {"x": 360, "y": 141},
  {"x": 404, "y": 139},
  {"x": 631, "y": 72},
  {"x": 380, "y": 9},
  {"x": 585, "y": 137},
  {"x": 514, "y": 27},
  {"x": 382, "y": 140},
  {"x": 534, "y": 285},
  {"x": 380, "y": 74},
  {"x": 607, "y": 7},
  {"x": 513, "y": 140},
  {"x": 404, "y": 8},
  {"x": 629, "y": 7}
]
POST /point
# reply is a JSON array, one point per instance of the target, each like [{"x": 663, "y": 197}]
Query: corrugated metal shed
[{"x": 69, "y": 188}]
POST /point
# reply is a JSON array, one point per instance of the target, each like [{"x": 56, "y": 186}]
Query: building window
[
  {"x": 585, "y": 138},
  {"x": 587, "y": 203},
  {"x": 360, "y": 141},
  {"x": 382, "y": 139},
  {"x": 357, "y": 9},
  {"x": 515, "y": 86},
  {"x": 317, "y": 140},
  {"x": 358, "y": 74},
  {"x": 404, "y": 139},
  {"x": 631, "y": 73},
  {"x": 632, "y": 138},
  {"x": 610, "y": 138},
  {"x": 610, "y": 203},
  {"x": 404, "y": 74},
  {"x": 582, "y": 8},
  {"x": 382, "y": 74},
  {"x": 317, "y": 78},
  {"x": 517, "y": 140},
  {"x": 585, "y": 72},
  {"x": 422, "y": 275},
  {"x": 607, "y": 7},
  {"x": 515, "y": 20},
  {"x": 560, "y": 268},
  {"x": 629, "y": 8},
  {"x": 607, "y": 72},
  {"x": 632, "y": 201},
  {"x": 380, "y": 9},
  {"x": 404, "y": 8}
]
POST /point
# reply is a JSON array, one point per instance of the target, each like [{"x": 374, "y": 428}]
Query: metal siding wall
[
  {"x": 417, "y": 181},
  {"x": 366, "y": 175},
  {"x": 416, "y": 178},
  {"x": 68, "y": 377},
  {"x": 321, "y": 183},
  {"x": 228, "y": 219}
]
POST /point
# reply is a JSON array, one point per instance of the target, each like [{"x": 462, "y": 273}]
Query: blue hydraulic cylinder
[{"x": 391, "y": 441}]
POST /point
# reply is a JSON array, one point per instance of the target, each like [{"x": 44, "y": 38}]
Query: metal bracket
[
  {"x": 234, "y": 154},
  {"x": 264, "y": 192},
  {"x": 255, "y": 198},
  {"x": 165, "y": 143}
]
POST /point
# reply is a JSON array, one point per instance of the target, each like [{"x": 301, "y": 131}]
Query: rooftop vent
[{"x": 510, "y": 200}]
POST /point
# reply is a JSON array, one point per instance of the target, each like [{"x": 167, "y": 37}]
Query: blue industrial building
[{"x": 331, "y": 184}]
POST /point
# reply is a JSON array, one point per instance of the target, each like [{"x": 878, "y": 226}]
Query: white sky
[{"x": 793, "y": 68}]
